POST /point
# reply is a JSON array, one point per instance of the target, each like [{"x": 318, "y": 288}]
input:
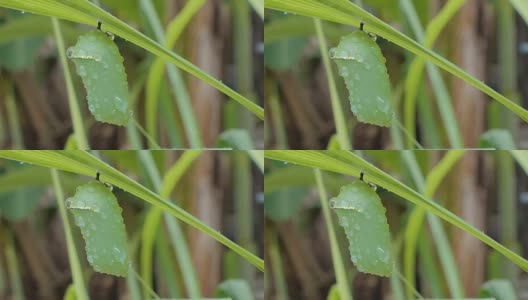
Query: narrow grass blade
[
  {"x": 82, "y": 162},
  {"x": 85, "y": 12},
  {"x": 345, "y": 12},
  {"x": 345, "y": 162}
]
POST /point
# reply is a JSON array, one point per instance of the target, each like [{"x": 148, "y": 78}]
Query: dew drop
[
  {"x": 110, "y": 35},
  {"x": 332, "y": 53},
  {"x": 383, "y": 256},
  {"x": 332, "y": 203}
]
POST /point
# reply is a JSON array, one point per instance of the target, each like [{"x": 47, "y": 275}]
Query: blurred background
[
  {"x": 487, "y": 189},
  {"x": 215, "y": 189},
  {"x": 487, "y": 39},
  {"x": 223, "y": 38}
]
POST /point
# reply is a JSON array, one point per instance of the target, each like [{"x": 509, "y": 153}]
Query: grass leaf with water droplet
[
  {"x": 362, "y": 65},
  {"x": 362, "y": 216},
  {"x": 98, "y": 215},
  {"x": 100, "y": 66}
]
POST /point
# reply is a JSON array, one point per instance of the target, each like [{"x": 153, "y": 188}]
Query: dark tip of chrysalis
[
  {"x": 97, "y": 176},
  {"x": 361, "y": 175},
  {"x": 361, "y": 26},
  {"x": 99, "y": 24}
]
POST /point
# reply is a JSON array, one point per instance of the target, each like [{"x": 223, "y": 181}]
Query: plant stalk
[{"x": 337, "y": 259}]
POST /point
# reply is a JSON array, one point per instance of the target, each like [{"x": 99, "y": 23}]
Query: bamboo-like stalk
[
  {"x": 15, "y": 130},
  {"x": 13, "y": 268},
  {"x": 177, "y": 85},
  {"x": 277, "y": 269},
  {"x": 506, "y": 179},
  {"x": 241, "y": 15},
  {"x": 176, "y": 234}
]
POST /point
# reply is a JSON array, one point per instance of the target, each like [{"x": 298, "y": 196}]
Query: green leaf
[
  {"x": 16, "y": 203},
  {"x": 236, "y": 138},
  {"x": 499, "y": 139},
  {"x": 20, "y": 54},
  {"x": 290, "y": 176},
  {"x": 100, "y": 66},
  {"x": 521, "y": 7},
  {"x": 98, "y": 215},
  {"x": 278, "y": 29},
  {"x": 30, "y": 25},
  {"x": 236, "y": 289},
  {"x": 283, "y": 54},
  {"x": 499, "y": 289},
  {"x": 362, "y": 216},
  {"x": 283, "y": 204}
]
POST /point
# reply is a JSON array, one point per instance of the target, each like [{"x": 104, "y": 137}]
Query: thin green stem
[
  {"x": 276, "y": 264},
  {"x": 339, "y": 116},
  {"x": 14, "y": 122},
  {"x": 153, "y": 144},
  {"x": 277, "y": 120},
  {"x": 177, "y": 84},
  {"x": 166, "y": 267},
  {"x": 73, "y": 257},
  {"x": 242, "y": 37},
  {"x": 13, "y": 268},
  {"x": 414, "y": 76},
  {"x": 506, "y": 179},
  {"x": 176, "y": 233},
  {"x": 75, "y": 112},
  {"x": 428, "y": 187},
  {"x": 243, "y": 206},
  {"x": 506, "y": 192},
  {"x": 337, "y": 259}
]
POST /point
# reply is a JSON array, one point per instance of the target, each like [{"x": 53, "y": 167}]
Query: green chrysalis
[
  {"x": 98, "y": 215},
  {"x": 362, "y": 66},
  {"x": 362, "y": 216},
  {"x": 100, "y": 66}
]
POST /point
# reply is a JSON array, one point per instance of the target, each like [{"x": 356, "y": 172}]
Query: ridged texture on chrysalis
[
  {"x": 100, "y": 66},
  {"x": 362, "y": 66},
  {"x": 98, "y": 215},
  {"x": 362, "y": 216}
]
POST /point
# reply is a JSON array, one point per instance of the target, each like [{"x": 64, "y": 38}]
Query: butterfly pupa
[
  {"x": 98, "y": 215},
  {"x": 362, "y": 66},
  {"x": 362, "y": 217},
  {"x": 100, "y": 65}
]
